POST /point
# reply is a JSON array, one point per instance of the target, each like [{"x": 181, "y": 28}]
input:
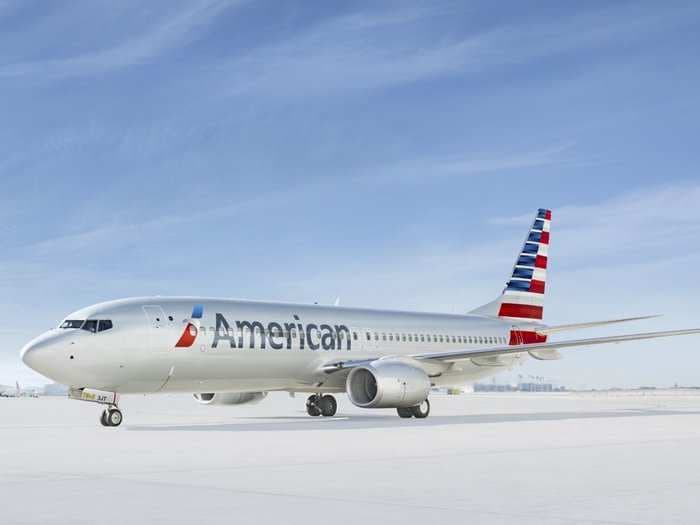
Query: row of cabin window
[{"x": 432, "y": 338}]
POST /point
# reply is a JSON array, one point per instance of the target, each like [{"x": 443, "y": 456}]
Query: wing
[{"x": 458, "y": 355}]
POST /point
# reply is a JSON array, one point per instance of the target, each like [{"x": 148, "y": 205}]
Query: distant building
[
  {"x": 54, "y": 389},
  {"x": 520, "y": 387}
]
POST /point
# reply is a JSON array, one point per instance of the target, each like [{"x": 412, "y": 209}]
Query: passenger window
[
  {"x": 90, "y": 326},
  {"x": 103, "y": 325},
  {"x": 383, "y": 337},
  {"x": 369, "y": 337},
  {"x": 354, "y": 336},
  {"x": 403, "y": 337},
  {"x": 376, "y": 336},
  {"x": 453, "y": 339},
  {"x": 391, "y": 337}
]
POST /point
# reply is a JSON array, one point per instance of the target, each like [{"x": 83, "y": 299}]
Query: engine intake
[
  {"x": 387, "y": 384},
  {"x": 230, "y": 398}
]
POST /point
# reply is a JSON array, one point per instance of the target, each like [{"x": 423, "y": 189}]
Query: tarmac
[{"x": 492, "y": 458}]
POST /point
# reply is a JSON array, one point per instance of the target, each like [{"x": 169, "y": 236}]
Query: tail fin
[{"x": 523, "y": 297}]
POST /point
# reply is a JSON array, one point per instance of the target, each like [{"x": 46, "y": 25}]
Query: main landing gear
[
  {"x": 419, "y": 411},
  {"x": 111, "y": 417},
  {"x": 318, "y": 405}
]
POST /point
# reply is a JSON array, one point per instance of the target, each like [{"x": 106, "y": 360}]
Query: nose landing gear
[
  {"x": 111, "y": 416},
  {"x": 318, "y": 405}
]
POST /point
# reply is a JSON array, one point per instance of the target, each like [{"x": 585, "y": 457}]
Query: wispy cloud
[
  {"x": 656, "y": 227},
  {"x": 464, "y": 165},
  {"x": 658, "y": 223},
  {"x": 365, "y": 51},
  {"x": 176, "y": 30}
]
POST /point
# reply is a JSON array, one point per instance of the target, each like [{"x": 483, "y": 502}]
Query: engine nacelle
[
  {"x": 230, "y": 398},
  {"x": 387, "y": 384}
]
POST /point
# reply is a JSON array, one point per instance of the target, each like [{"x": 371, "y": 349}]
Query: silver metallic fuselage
[{"x": 139, "y": 354}]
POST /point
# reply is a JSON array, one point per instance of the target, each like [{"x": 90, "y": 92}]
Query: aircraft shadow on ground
[{"x": 274, "y": 424}]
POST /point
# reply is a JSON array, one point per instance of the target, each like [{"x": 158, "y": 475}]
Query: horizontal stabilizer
[{"x": 577, "y": 326}]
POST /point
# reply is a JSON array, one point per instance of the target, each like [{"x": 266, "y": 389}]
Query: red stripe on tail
[
  {"x": 524, "y": 311},
  {"x": 536, "y": 286}
]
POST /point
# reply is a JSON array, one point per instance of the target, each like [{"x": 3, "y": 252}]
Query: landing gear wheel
[
  {"x": 328, "y": 406},
  {"x": 114, "y": 417},
  {"x": 421, "y": 411},
  {"x": 312, "y": 407},
  {"x": 103, "y": 418},
  {"x": 405, "y": 412}
]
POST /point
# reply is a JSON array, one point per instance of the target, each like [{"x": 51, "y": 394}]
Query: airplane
[
  {"x": 9, "y": 391},
  {"x": 233, "y": 352},
  {"x": 17, "y": 391}
]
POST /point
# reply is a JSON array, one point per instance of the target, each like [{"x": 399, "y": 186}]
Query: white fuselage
[{"x": 242, "y": 346}]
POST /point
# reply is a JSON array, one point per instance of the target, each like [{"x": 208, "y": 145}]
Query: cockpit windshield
[
  {"x": 72, "y": 323},
  {"x": 91, "y": 325}
]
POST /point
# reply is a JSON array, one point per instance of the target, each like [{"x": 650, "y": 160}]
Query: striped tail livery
[{"x": 522, "y": 299}]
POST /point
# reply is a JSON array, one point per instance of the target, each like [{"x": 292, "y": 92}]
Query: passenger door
[
  {"x": 157, "y": 323},
  {"x": 161, "y": 343}
]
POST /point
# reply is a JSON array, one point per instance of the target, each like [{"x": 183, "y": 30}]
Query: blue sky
[{"x": 391, "y": 154}]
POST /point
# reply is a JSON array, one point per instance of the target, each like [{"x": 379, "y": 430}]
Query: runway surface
[{"x": 479, "y": 458}]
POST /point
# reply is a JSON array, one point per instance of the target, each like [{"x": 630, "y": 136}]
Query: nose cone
[{"x": 37, "y": 354}]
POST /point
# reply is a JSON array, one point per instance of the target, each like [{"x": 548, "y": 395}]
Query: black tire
[
  {"x": 328, "y": 406},
  {"x": 312, "y": 407},
  {"x": 421, "y": 411},
  {"x": 114, "y": 417},
  {"x": 405, "y": 412},
  {"x": 103, "y": 419}
]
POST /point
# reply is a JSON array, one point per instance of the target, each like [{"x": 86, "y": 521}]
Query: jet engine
[
  {"x": 387, "y": 384},
  {"x": 230, "y": 398}
]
